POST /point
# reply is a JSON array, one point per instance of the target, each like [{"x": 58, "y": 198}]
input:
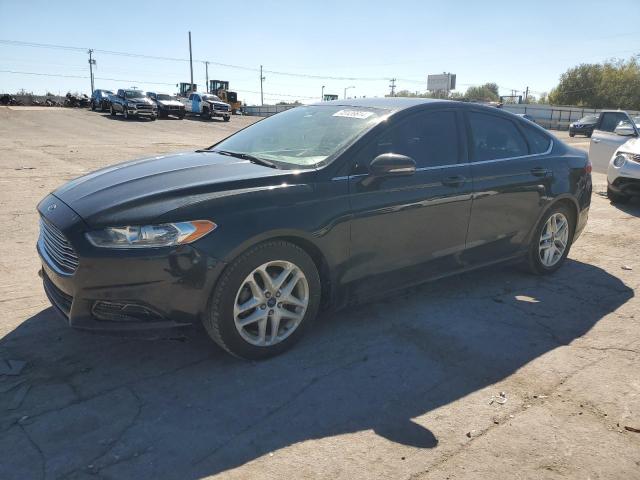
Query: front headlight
[
  {"x": 149, "y": 236},
  {"x": 131, "y": 105},
  {"x": 619, "y": 160}
]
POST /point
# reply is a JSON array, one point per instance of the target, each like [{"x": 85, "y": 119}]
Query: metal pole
[
  {"x": 190, "y": 61},
  {"x": 261, "y": 93},
  {"x": 322, "y": 94},
  {"x": 206, "y": 66},
  {"x": 91, "y": 62}
]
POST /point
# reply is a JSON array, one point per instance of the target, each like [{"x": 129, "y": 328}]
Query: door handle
[
  {"x": 454, "y": 181},
  {"x": 539, "y": 172},
  {"x": 595, "y": 140}
]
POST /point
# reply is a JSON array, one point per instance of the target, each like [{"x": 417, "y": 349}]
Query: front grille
[
  {"x": 57, "y": 248},
  {"x": 144, "y": 106},
  {"x": 222, "y": 108},
  {"x": 123, "y": 312},
  {"x": 57, "y": 297}
]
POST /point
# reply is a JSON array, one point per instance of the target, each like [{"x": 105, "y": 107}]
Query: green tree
[
  {"x": 487, "y": 93},
  {"x": 612, "y": 84}
]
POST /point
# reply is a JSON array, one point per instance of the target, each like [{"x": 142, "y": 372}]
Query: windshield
[
  {"x": 588, "y": 119},
  {"x": 303, "y": 137},
  {"x": 211, "y": 97},
  {"x": 134, "y": 94},
  {"x": 163, "y": 96}
]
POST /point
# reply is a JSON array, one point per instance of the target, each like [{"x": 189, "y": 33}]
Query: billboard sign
[{"x": 441, "y": 82}]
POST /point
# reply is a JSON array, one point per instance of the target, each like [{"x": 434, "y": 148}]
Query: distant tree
[
  {"x": 487, "y": 92},
  {"x": 612, "y": 84}
]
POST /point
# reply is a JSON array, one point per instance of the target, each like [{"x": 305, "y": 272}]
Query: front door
[
  {"x": 604, "y": 140},
  {"x": 406, "y": 229}
]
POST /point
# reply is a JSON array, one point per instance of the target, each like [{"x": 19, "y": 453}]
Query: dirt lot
[{"x": 398, "y": 389}]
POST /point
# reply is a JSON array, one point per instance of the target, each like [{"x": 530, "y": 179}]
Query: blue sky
[{"x": 512, "y": 44}]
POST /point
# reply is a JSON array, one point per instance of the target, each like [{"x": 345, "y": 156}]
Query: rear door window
[{"x": 494, "y": 137}]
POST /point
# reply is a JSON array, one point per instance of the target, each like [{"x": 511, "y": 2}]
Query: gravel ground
[{"x": 407, "y": 387}]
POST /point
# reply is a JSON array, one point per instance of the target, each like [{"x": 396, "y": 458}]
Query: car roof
[{"x": 387, "y": 103}]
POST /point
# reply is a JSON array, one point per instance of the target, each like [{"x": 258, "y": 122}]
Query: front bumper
[
  {"x": 159, "y": 288},
  {"x": 583, "y": 130},
  {"x": 625, "y": 179},
  {"x": 142, "y": 113}
]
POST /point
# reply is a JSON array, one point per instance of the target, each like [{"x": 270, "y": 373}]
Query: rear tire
[
  {"x": 544, "y": 254},
  {"x": 572, "y": 134},
  {"x": 291, "y": 306},
  {"x": 616, "y": 197}
]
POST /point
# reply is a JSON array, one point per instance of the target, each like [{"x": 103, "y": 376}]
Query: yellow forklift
[{"x": 221, "y": 89}]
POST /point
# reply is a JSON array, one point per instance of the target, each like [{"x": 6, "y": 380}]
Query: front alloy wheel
[
  {"x": 271, "y": 303},
  {"x": 264, "y": 300}
]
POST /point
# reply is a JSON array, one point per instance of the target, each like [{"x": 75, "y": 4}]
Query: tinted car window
[
  {"x": 494, "y": 138},
  {"x": 610, "y": 121},
  {"x": 431, "y": 139},
  {"x": 538, "y": 141}
]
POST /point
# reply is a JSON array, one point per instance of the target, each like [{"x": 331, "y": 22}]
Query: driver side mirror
[
  {"x": 625, "y": 130},
  {"x": 392, "y": 165}
]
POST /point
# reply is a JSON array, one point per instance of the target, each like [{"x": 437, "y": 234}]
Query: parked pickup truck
[
  {"x": 167, "y": 105},
  {"x": 206, "y": 105},
  {"x": 133, "y": 103}
]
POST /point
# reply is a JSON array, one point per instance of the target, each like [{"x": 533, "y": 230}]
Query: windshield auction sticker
[{"x": 353, "y": 114}]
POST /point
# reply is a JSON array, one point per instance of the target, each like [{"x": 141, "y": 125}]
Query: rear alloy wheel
[
  {"x": 552, "y": 241},
  {"x": 264, "y": 301}
]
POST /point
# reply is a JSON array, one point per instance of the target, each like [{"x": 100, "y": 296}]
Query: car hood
[
  {"x": 144, "y": 189},
  {"x": 214, "y": 102},
  {"x": 168, "y": 103},
  {"x": 631, "y": 146},
  {"x": 139, "y": 100}
]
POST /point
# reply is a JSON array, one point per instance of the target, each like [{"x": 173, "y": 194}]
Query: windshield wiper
[{"x": 244, "y": 156}]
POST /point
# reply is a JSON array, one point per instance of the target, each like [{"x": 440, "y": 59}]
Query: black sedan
[
  {"x": 584, "y": 126},
  {"x": 315, "y": 207}
]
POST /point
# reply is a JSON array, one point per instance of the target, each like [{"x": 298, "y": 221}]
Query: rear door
[
  {"x": 604, "y": 140},
  {"x": 512, "y": 173},
  {"x": 405, "y": 229}
]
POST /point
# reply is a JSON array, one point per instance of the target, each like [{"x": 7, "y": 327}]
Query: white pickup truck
[{"x": 206, "y": 105}]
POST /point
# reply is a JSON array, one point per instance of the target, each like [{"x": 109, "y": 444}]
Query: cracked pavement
[{"x": 398, "y": 388}]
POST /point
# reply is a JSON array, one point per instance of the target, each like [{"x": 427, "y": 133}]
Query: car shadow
[
  {"x": 181, "y": 408},
  {"x": 631, "y": 208},
  {"x": 119, "y": 117}
]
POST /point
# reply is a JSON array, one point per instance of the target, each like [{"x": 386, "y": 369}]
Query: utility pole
[
  {"x": 526, "y": 95},
  {"x": 190, "y": 61},
  {"x": 92, "y": 62},
  {"x": 206, "y": 69},
  {"x": 345, "y": 91},
  {"x": 261, "y": 80},
  {"x": 393, "y": 87}
]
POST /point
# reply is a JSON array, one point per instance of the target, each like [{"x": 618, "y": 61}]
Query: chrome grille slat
[{"x": 57, "y": 247}]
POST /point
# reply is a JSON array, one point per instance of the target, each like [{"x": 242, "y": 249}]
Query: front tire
[
  {"x": 125, "y": 112},
  {"x": 93, "y": 107},
  {"x": 264, "y": 301},
  {"x": 551, "y": 240},
  {"x": 112, "y": 111},
  {"x": 227, "y": 118},
  {"x": 616, "y": 197}
]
